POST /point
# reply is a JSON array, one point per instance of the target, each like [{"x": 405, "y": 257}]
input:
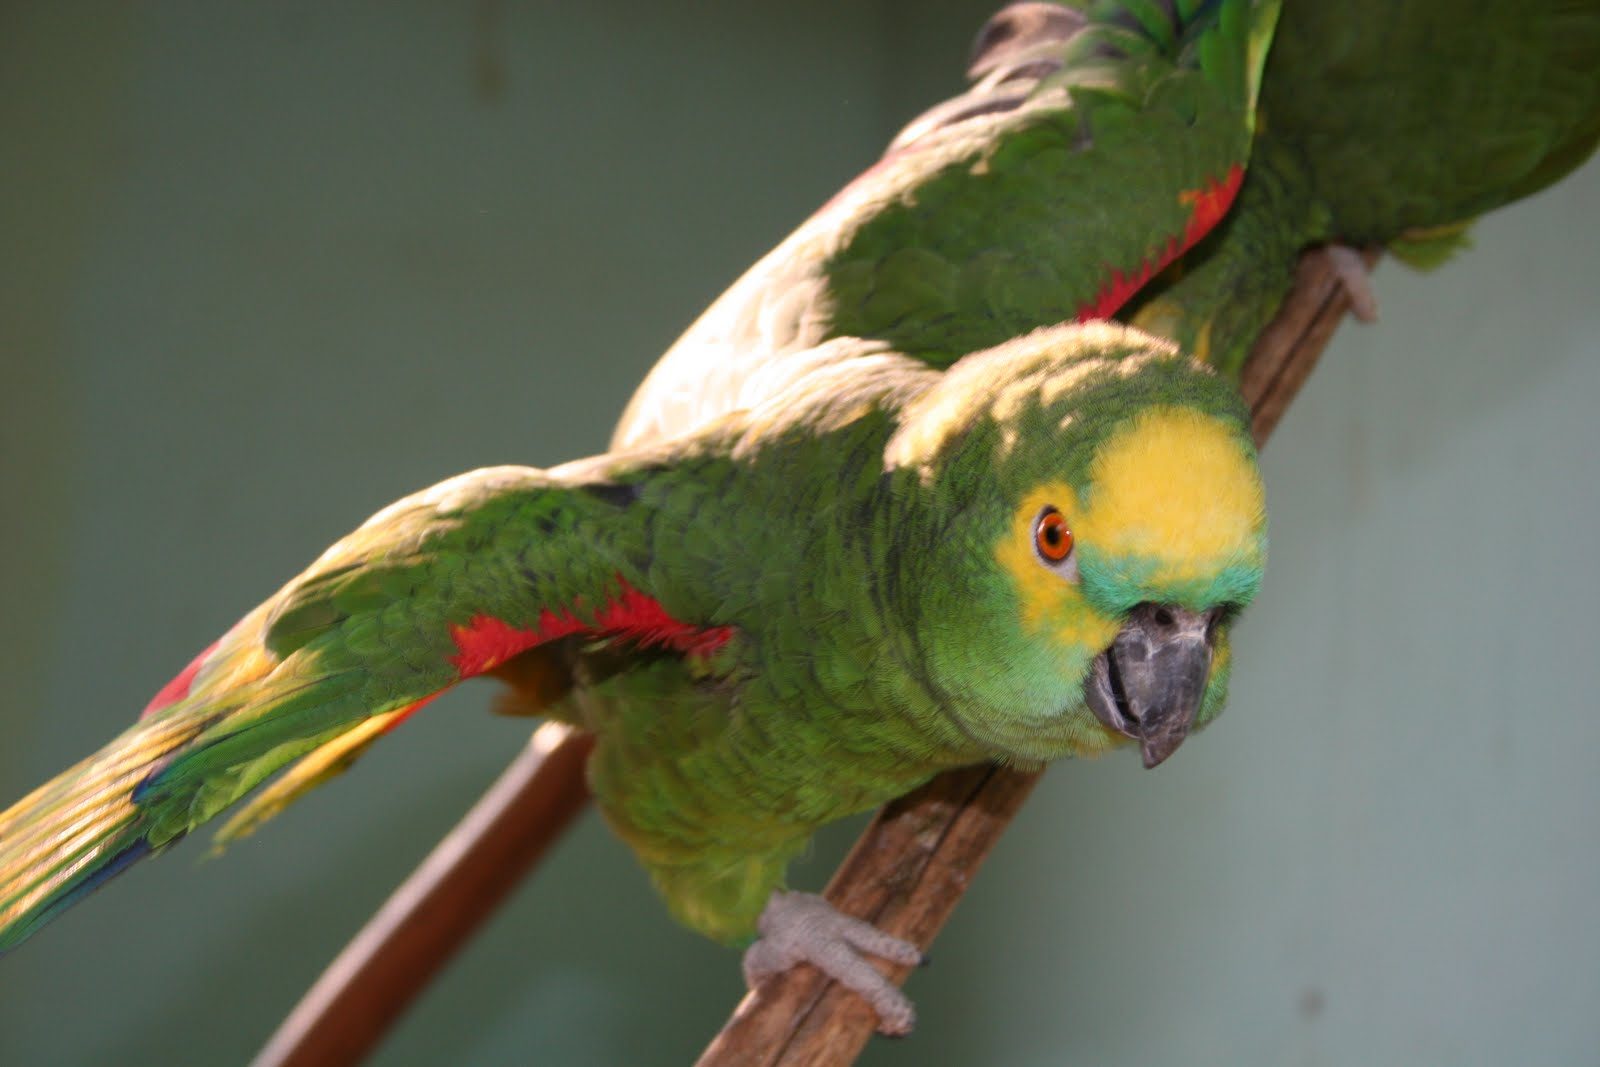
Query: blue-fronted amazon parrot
[
  {"x": 797, "y": 612},
  {"x": 836, "y": 572},
  {"x": 1392, "y": 124}
]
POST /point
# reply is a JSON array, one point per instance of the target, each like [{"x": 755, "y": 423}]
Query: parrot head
[{"x": 1111, "y": 525}]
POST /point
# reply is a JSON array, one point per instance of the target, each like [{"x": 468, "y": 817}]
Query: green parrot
[
  {"x": 1096, "y": 144},
  {"x": 1393, "y": 124},
  {"x": 835, "y": 573},
  {"x": 796, "y": 612}
]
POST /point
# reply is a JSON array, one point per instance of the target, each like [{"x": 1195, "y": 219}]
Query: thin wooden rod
[{"x": 346, "y": 1013}]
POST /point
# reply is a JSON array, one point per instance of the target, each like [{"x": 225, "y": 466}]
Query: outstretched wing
[
  {"x": 470, "y": 576},
  {"x": 1096, "y": 144}
]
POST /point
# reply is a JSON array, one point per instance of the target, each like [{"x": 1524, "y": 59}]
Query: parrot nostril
[{"x": 1163, "y": 617}]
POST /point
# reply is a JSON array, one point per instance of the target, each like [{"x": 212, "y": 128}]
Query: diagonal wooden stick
[
  {"x": 436, "y": 910},
  {"x": 906, "y": 873}
]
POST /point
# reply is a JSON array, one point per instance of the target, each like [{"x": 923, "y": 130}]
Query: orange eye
[{"x": 1052, "y": 537}]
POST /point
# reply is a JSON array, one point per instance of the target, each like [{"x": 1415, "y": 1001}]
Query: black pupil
[{"x": 1052, "y": 531}]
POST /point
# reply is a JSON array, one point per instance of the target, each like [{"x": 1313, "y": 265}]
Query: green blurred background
[{"x": 264, "y": 269}]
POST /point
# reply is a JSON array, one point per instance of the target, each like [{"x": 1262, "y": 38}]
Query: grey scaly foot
[
  {"x": 804, "y": 928},
  {"x": 1355, "y": 278}
]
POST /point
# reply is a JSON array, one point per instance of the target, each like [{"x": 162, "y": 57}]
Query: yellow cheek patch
[
  {"x": 1050, "y": 604},
  {"x": 1179, "y": 487}
]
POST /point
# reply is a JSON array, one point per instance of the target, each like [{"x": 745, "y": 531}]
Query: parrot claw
[
  {"x": 804, "y": 928},
  {"x": 1354, "y": 279}
]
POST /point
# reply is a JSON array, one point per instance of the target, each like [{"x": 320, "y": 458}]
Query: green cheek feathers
[{"x": 1217, "y": 684}]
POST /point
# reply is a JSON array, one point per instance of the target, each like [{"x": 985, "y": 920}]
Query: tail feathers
[
  {"x": 163, "y": 777},
  {"x": 64, "y": 843},
  {"x": 44, "y": 904},
  {"x": 82, "y": 827}
]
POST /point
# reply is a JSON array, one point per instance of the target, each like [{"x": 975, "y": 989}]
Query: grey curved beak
[{"x": 1148, "y": 685}]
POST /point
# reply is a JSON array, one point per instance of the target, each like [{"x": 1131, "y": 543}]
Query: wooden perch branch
[
  {"x": 1288, "y": 349},
  {"x": 351, "y": 1006},
  {"x": 905, "y": 874}
]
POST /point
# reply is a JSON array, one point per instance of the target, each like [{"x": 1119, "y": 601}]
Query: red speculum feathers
[
  {"x": 486, "y": 642},
  {"x": 1207, "y": 206},
  {"x": 178, "y": 688}
]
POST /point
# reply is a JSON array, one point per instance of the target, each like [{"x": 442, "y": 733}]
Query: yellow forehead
[{"x": 1179, "y": 486}]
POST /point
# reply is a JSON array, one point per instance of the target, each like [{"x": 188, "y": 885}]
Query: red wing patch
[
  {"x": 486, "y": 642},
  {"x": 178, "y": 688},
  {"x": 1207, "y": 206}
]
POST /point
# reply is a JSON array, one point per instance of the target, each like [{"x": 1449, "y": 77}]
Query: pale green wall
[{"x": 267, "y": 269}]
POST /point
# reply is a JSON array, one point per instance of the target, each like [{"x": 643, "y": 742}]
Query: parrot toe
[
  {"x": 1356, "y": 280},
  {"x": 804, "y": 928}
]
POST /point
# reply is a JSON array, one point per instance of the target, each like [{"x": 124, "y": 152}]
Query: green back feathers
[
  {"x": 1389, "y": 122},
  {"x": 979, "y": 225},
  {"x": 1425, "y": 113},
  {"x": 1090, "y": 150}
]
